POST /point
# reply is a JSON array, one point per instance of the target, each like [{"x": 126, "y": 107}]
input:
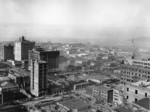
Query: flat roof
[
  {"x": 7, "y": 84},
  {"x": 97, "y": 77},
  {"x": 74, "y": 104},
  {"x": 19, "y": 72},
  {"x": 102, "y": 87},
  {"x": 135, "y": 67},
  {"x": 145, "y": 83},
  {"x": 4, "y": 78}
]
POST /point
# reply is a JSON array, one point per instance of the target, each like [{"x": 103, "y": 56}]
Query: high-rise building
[
  {"x": 51, "y": 57},
  {"x": 21, "y": 48},
  {"x": 38, "y": 81},
  {"x": 7, "y": 52}
]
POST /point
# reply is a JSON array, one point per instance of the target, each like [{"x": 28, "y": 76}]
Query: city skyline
[{"x": 92, "y": 20}]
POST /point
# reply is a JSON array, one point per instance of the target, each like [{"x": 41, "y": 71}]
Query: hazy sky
[{"x": 80, "y": 19}]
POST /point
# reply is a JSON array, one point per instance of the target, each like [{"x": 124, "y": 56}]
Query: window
[
  {"x": 136, "y": 99},
  {"x": 127, "y": 97},
  {"x": 132, "y": 73},
  {"x": 136, "y": 91},
  {"x": 127, "y": 89},
  {"x": 145, "y": 94}
]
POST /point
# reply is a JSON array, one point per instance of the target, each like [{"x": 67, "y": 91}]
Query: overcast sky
[{"x": 80, "y": 19}]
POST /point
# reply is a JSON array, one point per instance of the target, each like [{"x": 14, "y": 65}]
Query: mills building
[{"x": 21, "y": 48}]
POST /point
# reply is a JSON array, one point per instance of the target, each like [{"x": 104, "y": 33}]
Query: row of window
[
  {"x": 136, "y": 92},
  {"x": 132, "y": 73},
  {"x": 134, "y": 100},
  {"x": 141, "y": 63},
  {"x": 137, "y": 70}
]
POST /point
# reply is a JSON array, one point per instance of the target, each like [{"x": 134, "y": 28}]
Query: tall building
[
  {"x": 38, "y": 81},
  {"x": 7, "y": 52},
  {"x": 21, "y": 48},
  {"x": 51, "y": 57}
]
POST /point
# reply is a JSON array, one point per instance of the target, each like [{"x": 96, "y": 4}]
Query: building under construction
[{"x": 51, "y": 57}]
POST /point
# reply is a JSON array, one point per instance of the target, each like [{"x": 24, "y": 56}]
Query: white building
[{"x": 136, "y": 91}]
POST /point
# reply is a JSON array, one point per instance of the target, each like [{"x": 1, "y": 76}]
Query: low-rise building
[
  {"x": 101, "y": 92},
  {"x": 8, "y": 85},
  {"x": 136, "y": 91},
  {"x": 74, "y": 105},
  {"x": 21, "y": 77}
]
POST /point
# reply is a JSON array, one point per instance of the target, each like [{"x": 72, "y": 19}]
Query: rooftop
[
  {"x": 19, "y": 72},
  {"x": 7, "y": 84},
  {"x": 102, "y": 87},
  {"x": 135, "y": 67},
  {"x": 142, "y": 83},
  {"x": 145, "y": 103},
  {"x": 96, "y": 76},
  {"x": 74, "y": 104}
]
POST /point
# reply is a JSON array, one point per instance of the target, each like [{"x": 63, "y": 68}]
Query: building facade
[
  {"x": 136, "y": 91},
  {"x": 132, "y": 73},
  {"x": 20, "y": 77},
  {"x": 117, "y": 96},
  {"x": 101, "y": 92},
  {"x": 7, "y": 52},
  {"x": 38, "y": 78},
  {"x": 51, "y": 57},
  {"x": 21, "y": 49}
]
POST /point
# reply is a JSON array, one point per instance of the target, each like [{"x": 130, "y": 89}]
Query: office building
[
  {"x": 132, "y": 73},
  {"x": 7, "y": 52},
  {"x": 38, "y": 78},
  {"x": 51, "y": 57},
  {"x": 21, "y": 48}
]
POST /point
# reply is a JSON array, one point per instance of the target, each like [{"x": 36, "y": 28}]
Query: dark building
[
  {"x": 1, "y": 98},
  {"x": 20, "y": 77},
  {"x": 7, "y": 52},
  {"x": 54, "y": 89},
  {"x": 51, "y": 57}
]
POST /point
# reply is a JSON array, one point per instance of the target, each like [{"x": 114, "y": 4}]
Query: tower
[
  {"x": 21, "y": 48},
  {"x": 38, "y": 79}
]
